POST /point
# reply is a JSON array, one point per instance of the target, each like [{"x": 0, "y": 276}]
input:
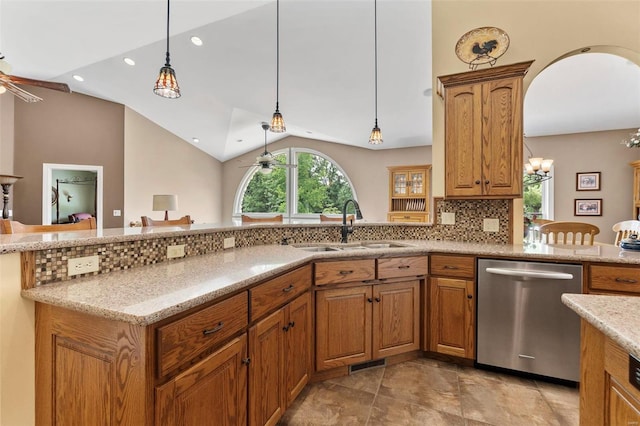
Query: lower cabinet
[
  {"x": 623, "y": 408},
  {"x": 357, "y": 324},
  {"x": 213, "y": 391},
  {"x": 280, "y": 354}
]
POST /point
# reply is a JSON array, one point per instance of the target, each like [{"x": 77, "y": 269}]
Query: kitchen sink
[
  {"x": 354, "y": 247},
  {"x": 318, "y": 248}
]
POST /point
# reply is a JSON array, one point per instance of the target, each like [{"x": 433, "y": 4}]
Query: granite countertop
[
  {"x": 615, "y": 316},
  {"x": 147, "y": 294}
]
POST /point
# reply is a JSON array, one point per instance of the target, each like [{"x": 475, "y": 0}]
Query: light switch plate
[
  {"x": 83, "y": 265},
  {"x": 448, "y": 218},
  {"x": 491, "y": 225},
  {"x": 117, "y": 213},
  {"x": 175, "y": 251}
]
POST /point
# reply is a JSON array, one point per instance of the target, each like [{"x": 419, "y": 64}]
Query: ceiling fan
[
  {"x": 266, "y": 160},
  {"x": 9, "y": 83}
]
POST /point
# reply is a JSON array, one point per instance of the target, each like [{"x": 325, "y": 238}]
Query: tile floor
[{"x": 430, "y": 392}]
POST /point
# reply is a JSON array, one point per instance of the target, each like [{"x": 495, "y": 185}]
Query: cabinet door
[
  {"x": 343, "y": 326},
  {"x": 623, "y": 408},
  {"x": 452, "y": 316},
  {"x": 396, "y": 318},
  {"x": 399, "y": 184},
  {"x": 298, "y": 346},
  {"x": 417, "y": 183},
  {"x": 502, "y": 137},
  {"x": 266, "y": 370},
  {"x": 463, "y": 141},
  {"x": 212, "y": 392}
]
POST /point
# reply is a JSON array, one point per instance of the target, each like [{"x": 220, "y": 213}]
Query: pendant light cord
[
  {"x": 375, "y": 43},
  {"x": 168, "y": 64},
  {"x": 277, "y": 53}
]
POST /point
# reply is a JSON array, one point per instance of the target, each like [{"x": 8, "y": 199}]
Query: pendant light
[
  {"x": 376, "y": 134},
  {"x": 277, "y": 122},
  {"x": 166, "y": 84}
]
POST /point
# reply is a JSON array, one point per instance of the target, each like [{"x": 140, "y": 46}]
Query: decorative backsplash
[{"x": 51, "y": 265}]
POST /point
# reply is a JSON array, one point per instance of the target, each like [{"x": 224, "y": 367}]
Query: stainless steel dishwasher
[{"x": 522, "y": 324}]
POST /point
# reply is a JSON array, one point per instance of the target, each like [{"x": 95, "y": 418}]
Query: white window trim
[{"x": 291, "y": 211}]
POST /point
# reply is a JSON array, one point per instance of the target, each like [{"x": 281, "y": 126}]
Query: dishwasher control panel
[{"x": 634, "y": 371}]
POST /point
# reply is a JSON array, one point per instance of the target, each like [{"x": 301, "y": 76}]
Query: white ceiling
[{"x": 326, "y": 69}]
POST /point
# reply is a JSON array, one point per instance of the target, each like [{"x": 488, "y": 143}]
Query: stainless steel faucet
[{"x": 348, "y": 229}]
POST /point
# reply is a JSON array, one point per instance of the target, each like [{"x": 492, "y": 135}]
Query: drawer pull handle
[
  {"x": 288, "y": 326},
  {"x": 346, "y": 272},
  {"x": 214, "y": 329},
  {"x": 404, "y": 267},
  {"x": 626, "y": 280},
  {"x": 450, "y": 267},
  {"x": 288, "y": 289}
]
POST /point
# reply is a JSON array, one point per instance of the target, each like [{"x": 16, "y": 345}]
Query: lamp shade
[{"x": 165, "y": 202}]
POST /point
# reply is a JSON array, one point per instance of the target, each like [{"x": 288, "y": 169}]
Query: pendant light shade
[
  {"x": 376, "y": 134},
  {"x": 277, "y": 122},
  {"x": 167, "y": 84}
]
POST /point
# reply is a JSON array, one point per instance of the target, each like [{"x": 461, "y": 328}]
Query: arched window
[{"x": 314, "y": 184}]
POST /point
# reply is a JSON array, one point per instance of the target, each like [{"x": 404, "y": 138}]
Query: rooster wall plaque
[{"x": 482, "y": 46}]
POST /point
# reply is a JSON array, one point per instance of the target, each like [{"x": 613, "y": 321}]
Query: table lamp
[
  {"x": 6, "y": 181},
  {"x": 166, "y": 203}
]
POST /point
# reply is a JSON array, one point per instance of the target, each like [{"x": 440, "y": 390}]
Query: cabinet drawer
[
  {"x": 615, "y": 278},
  {"x": 408, "y": 217},
  {"x": 345, "y": 271},
  {"x": 278, "y": 291},
  {"x": 403, "y": 267},
  {"x": 453, "y": 266},
  {"x": 184, "y": 339}
]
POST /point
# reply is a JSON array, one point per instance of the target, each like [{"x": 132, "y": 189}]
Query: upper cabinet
[
  {"x": 483, "y": 132},
  {"x": 409, "y": 193}
]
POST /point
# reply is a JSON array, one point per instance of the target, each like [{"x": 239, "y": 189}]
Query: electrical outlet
[
  {"x": 83, "y": 265},
  {"x": 491, "y": 225},
  {"x": 448, "y": 218},
  {"x": 229, "y": 243},
  {"x": 117, "y": 213},
  {"x": 175, "y": 251}
]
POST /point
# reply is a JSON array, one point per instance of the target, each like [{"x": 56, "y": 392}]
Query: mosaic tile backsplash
[{"x": 51, "y": 265}]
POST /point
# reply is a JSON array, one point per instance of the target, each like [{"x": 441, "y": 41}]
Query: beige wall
[
  {"x": 67, "y": 129},
  {"x": 158, "y": 162},
  {"x": 6, "y": 134},
  {"x": 591, "y": 152},
  {"x": 540, "y": 30},
  {"x": 366, "y": 169}
]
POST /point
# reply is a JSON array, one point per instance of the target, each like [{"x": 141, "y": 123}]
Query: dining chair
[
  {"x": 324, "y": 218},
  {"x": 14, "y": 227},
  {"x": 624, "y": 229},
  {"x": 253, "y": 219},
  {"x": 184, "y": 220},
  {"x": 568, "y": 232},
  {"x": 536, "y": 227}
]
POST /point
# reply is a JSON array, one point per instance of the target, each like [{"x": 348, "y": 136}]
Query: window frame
[{"x": 291, "y": 184}]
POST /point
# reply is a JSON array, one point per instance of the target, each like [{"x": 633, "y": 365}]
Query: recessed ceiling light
[
  {"x": 428, "y": 92},
  {"x": 240, "y": 140},
  {"x": 196, "y": 40},
  {"x": 195, "y": 140},
  {"x": 309, "y": 132},
  {"x": 78, "y": 77},
  {"x": 129, "y": 61},
  {"x": 2, "y": 89}
]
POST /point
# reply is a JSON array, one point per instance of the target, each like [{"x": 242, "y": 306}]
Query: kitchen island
[{"x": 149, "y": 293}]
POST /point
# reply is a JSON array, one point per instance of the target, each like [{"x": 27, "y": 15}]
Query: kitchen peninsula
[{"x": 143, "y": 301}]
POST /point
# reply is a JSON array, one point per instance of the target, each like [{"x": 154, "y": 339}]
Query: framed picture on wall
[
  {"x": 591, "y": 207},
  {"x": 589, "y": 181}
]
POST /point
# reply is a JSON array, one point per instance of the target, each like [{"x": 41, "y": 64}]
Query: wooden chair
[
  {"x": 14, "y": 227},
  {"x": 324, "y": 218},
  {"x": 184, "y": 220},
  {"x": 559, "y": 232},
  {"x": 624, "y": 229},
  {"x": 249, "y": 219},
  {"x": 536, "y": 227}
]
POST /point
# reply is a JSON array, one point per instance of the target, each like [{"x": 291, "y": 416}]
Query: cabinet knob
[
  {"x": 469, "y": 296},
  {"x": 377, "y": 299},
  {"x": 370, "y": 300},
  {"x": 478, "y": 182},
  {"x": 486, "y": 182},
  {"x": 246, "y": 361}
]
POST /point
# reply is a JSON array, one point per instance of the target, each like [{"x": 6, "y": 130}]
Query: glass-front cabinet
[{"x": 409, "y": 193}]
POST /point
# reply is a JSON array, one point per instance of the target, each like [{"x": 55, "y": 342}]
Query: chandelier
[{"x": 537, "y": 169}]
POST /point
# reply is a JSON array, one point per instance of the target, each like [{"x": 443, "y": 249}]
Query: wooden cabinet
[
  {"x": 357, "y": 323},
  {"x": 617, "y": 278},
  {"x": 483, "y": 132},
  {"x": 636, "y": 190},
  {"x": 213, "y": 391},
  {"x": 452, "y": 306},
  {"x": 280, "y": 345},
  {"x": 409, "y": 193}
]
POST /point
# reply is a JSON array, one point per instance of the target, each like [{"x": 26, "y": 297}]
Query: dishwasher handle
[{"x": 529, "y": 273}]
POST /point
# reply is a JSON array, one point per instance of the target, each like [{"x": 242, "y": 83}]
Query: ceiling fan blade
[
  {"x": 61, "y": 87},
  {"x": 20, "y": 93}
]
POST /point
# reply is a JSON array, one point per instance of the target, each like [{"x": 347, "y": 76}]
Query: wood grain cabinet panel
[
  {"x": 453, "y": 265},
  {"x": 452, "y": 316},
  {"x": 344, "y": 271},
  {"x": 278, "y": 291},
  {"x": 182, "y": 340},
  {"x": 212, "y": 392},
  {"x": 398, "y": 267},
  {"x": 614, "y": 278}
]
